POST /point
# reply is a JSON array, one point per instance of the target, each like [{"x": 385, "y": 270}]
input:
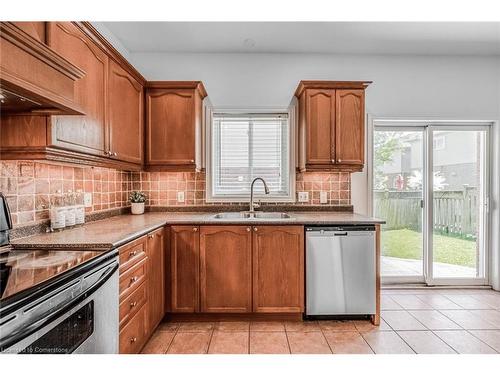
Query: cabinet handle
[
  {"x": 133, "y": 339},
  {"x": 192, "y": 161},
  {"x": 339, "y": 160},
  {"x": 248, "y": 229},
  {"x": 133, "y": 253},
  {"x": 133, "y": 279},
  {"x": 115, "y": 154},
  {"x": 255, "y": 229},
  {"x": 133, "y": 304},
  {"x": 150, "y": 236},
  {"x": 195, "y": 229}
]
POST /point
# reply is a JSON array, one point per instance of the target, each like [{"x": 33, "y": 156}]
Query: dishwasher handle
[{"x": 340, "y": 234}]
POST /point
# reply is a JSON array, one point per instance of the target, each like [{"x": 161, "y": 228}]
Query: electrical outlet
[
  {"x": 87, "y": 199},
  {"x": 180, "y": 196},
  {"x": 323, "y": 197},
  {"x": 303, "y": 196}
]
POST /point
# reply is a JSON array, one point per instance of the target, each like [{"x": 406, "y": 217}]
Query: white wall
[{"x": 450, "y": 87}]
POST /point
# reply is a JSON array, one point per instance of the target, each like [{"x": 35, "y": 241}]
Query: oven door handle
[{"x": 17, "y": 336}]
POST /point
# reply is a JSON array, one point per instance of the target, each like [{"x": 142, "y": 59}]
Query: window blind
[{"x": 249, "y": 146}]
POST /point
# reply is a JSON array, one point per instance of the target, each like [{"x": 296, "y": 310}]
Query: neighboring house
[{"x": 454, "y": 158}]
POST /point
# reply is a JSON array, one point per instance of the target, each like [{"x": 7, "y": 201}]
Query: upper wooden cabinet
[
  {"x": 34, "y": 78},
  {"x": 82, "y": 133},
  {"x": 174, "y": 125},
  {"x": 110, "y": 94},
  {"x": 331, "y": 125},
  {"x": 226, "y": 269},
  {"x": 278, "y": 269},
  {"x": 125, "y": 112}
]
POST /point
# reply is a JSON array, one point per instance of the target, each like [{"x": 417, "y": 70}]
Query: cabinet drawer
[
  {"x": 132, "y": 253},
  {"x": 130, "y": 305},
  {"x": 132, "y": 278},
  {"x": 133, "y": 335}
]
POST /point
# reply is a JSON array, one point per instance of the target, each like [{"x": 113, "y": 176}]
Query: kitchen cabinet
[
  {"x": 278, "y": 269},
  {"x": 174, "y": 112},
  {"x": 81, "y": 133},
  {"x": 155, "y": 249},
  {"x": 36, "y": 30},
  {"x": 125, "y": 107},
  {"x": 331, "y": 125},
  {"x": 110, "y": 95},
  {"x": 226, "y": 269},
  {"x": 185, "y": 268}
]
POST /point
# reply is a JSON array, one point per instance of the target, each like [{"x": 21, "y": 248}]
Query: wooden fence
[{"x": 455, "y": 211}]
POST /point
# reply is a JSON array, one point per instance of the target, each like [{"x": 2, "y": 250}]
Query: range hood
[{"x": 33, "y": 78}]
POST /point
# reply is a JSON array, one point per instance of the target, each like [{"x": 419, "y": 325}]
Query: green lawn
[{"x": 407, "y": 244}]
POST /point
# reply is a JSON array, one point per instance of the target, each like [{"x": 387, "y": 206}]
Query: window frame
[{"x": 244, "y": 198}]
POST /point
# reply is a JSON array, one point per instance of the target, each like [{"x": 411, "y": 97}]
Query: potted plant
[{"x": 137, "y": 200}]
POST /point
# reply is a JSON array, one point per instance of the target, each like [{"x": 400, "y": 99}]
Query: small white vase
[{"x": 137, "y": 208}]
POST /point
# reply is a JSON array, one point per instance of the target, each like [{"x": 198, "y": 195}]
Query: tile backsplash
[{"x": 29, "y": 185}]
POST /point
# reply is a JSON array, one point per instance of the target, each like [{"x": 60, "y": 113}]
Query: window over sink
[{"x": 243, "y": 146}]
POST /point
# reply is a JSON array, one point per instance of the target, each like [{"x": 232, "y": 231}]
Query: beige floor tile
[
  {"x": 387, "y": 303},
  {"x": 425, "y": 342},
  {"x": 196, "y": 327},
  {"x": 386, "y": 342},
  {"x": 433, "y": 319},
  {"x": 468, "y": 301},
  {"x": 347, "y": 342},
  {"x": 225, "y": 342},
  {"x": 232, "y": 326},
  {"x": 439, "y": 302},
  {"x": 336, "y": 325},
  {"x": 467, "y": 320},
  {"x": 308, "y": 343},
  {"x": 267, "y": 326},
  {"x": 168, "y": 327},
  {"x": 306, "y": 326},
  {"x": 491, "y": 316},
  {"x": 269, "y": 343},
  {"x": 367, "y": 326},
  {"x": 402, "y": 320},
  {"x": 190, "y": 343},
  {"x": 159, "y": 342},
  {"x": 491, "y": 299},
  {"x": 490, "y": 337},
  {"x": 411, "y": 302},
  {"x": 464, "y": 343}
]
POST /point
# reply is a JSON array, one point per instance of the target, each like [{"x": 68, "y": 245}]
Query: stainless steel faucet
[{"x": 266, "y": 189}]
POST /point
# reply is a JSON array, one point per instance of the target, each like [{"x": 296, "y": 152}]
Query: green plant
[{"x": 137, "y": 197}]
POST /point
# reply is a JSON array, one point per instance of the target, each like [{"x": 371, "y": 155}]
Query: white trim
[
  {"x": 488, "y": 236},
  {"x": 290, "y": 197}
]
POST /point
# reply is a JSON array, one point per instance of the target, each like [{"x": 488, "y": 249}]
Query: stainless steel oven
[{"x": 78, "y": 314}]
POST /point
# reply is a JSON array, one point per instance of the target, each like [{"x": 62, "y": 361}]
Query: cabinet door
[
  {"x": 320, "y": 119},
  {"x": 226, "y": 269},
  {"x": 156, "y": 278},
  {"x": 350, "y": 127},
  {"x": 170, "y": 127},
  {"x": 125, "y": 110},
  {"x": 278, "y": 269},
  {"x": 185, "y": 266},
  {"x": 81, "y": 133}
]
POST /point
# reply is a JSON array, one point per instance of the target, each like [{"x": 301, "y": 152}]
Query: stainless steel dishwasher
[{"x": 340, "y": 270}]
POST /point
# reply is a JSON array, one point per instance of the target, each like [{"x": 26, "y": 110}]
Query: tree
[{"x": 385, "y": 143}]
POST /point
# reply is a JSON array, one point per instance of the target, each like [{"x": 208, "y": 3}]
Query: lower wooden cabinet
[
  {"x": 226, "y": 269},
  {"x": 155, "y": 249},
  {"x": 237, "y": 269},
  {"x": 185, "y": 268},
  {"x": 278, "y": 269},
  {"x": 141, "y": 289}
]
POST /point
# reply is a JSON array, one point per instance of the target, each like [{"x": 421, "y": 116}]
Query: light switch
[
  {"x": 303, "y": 196},
  {"x": 323, "y": 197},
  {"x": 180, "y": 196},
  {"x": 87, "y": 199}
]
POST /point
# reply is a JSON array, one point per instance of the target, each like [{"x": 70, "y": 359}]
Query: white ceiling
[{"x": 420, "y": 38}]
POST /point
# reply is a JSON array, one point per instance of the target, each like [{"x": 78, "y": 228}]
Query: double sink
[{"x": 248, "y": 216}]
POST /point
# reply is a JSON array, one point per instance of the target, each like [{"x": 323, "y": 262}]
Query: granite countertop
[{"x": 118, "y": 230}]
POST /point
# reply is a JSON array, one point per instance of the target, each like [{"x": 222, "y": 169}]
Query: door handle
[{"x": 340, "y": 234}]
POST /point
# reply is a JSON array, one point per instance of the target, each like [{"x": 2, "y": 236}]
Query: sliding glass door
[{"x": 430, "y": 184}]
